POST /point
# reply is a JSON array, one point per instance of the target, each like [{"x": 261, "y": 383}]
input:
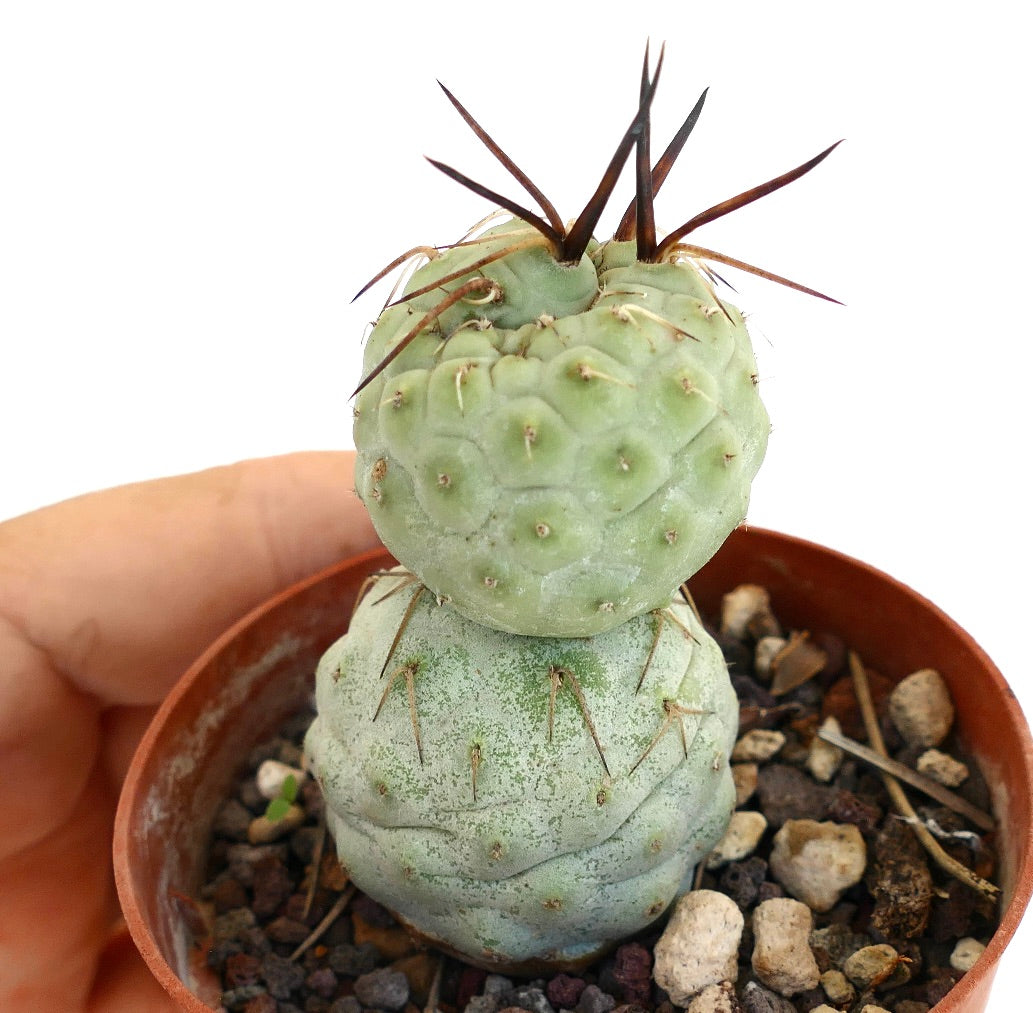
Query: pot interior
[{"x": 260, "y": 672}]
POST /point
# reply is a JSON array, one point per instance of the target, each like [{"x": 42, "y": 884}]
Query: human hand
[{"x": 104, "y": 600}]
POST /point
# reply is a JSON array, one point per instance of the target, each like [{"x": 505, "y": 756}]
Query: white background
[{"x": 190, "y": 194}]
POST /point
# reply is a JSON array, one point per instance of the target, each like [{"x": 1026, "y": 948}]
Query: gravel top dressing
[{"x": 831, "y": 890}]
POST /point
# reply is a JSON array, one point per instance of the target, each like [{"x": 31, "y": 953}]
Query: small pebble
[
  {"x": 921, "y": 709},
  {"x": 383, "y": 988},
  {"x": 757, "y": 999},
  {"x": 837, "y": 987},
  {"x": 871, "y": 965},
  {"x": 497, "y": 984},
  {"x": 699, "y": 946},
  {"x": 346, "y": 1004},
  {"x": 632, "y": 970},
  {"x": 745, "y": 609},
  {"x": 786, "y": 793},
  {"x": 782, "y": 957},
  {"x": 282, "y": 976},
  {"x": 232, "y": 819},
  {"x": 744, "y": 777},
  {"x": 966, "y": 953},
  {"x": 715, "y": 999},
  {"x": 823, "y": 758},
  {"x": 532, "y": 999},
  {"x": 740, "y": 840},
  {"x": 595, "y": 1000},
  {"x": 263, "y": 830},
  {"x": 817, "y": 862},
  {"x": 564, "y": 991},
  {"x": 742, "y": 880},
  {"x": 942, "y": 768},
  {"x": 869, "y": 1007},
  {"x": 765, "y": 652},
  {"x": 758, "y": 746}
]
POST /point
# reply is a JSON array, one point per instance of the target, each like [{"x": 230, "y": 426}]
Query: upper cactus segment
[{"x": 554, "y": 433}]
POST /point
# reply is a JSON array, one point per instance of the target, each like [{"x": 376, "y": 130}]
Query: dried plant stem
[
  {"x": 331, "y": 916},
  {"x": 904, "y": 773},
  {"x": 896, "y": 792},
  {"x": 317, "y": 858}
]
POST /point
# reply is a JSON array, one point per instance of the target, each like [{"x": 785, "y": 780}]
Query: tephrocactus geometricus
[{"x": 524, "y": 738}]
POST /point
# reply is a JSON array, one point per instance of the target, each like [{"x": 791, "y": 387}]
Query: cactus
[
  {"x": 553, "y": 434},
  {"x": 523, "y": 739},
  {"x": 518, "y": 798}
]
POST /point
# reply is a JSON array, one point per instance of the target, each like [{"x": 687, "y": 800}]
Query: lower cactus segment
[{"x": 522, "y": 801}]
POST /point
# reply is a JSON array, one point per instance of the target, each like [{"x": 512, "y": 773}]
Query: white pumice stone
[
  {"x": 715, "y": 999},
  {"x": 700, "y": 945},
  {"x": 816, "y": 862},
  {"x": 966, "y": 953},
  {"x": 920, "y": 707},
  {"x": 740, "y": 840},
  {"x": 823, "y": 758},
  {"x": 744, "y": 777},
  {"x": 782, "y": 958},
  {"x": 272, "y": 773},
  {"x": 942, "y": 768},
  {"x": 764, "y": 653},
  {"x": 758, "y": 745},
  {"x": 742, "y": 606}
]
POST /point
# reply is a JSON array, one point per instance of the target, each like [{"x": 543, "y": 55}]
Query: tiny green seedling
[{"x": 279, "y": 806}]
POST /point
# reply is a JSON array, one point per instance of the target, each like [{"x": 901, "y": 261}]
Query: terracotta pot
[{"x": 259, "y": 672}]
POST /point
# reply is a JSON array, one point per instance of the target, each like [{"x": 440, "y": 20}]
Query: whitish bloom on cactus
[
  {"x": 553, "y": 434},
  {"x": 521, "y": 800}
]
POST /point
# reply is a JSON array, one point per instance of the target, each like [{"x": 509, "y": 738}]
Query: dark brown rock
[
  {"x": 900, "y": 883},
  {"x": 787, "y": 793}
]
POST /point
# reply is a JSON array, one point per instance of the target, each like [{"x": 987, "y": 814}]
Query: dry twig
[{"x": 896, "y": 792}]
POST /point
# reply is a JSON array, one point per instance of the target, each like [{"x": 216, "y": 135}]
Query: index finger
[{"x": 121, "y": 589}]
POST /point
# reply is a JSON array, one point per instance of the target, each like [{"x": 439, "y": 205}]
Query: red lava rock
[
  {"x": 787, "y": 793},
  {"x": 741, "y": 880},
  {"x": 288, "y": 931},
  {"x": 563, "y": 991},
  {"x": 768, "y": 891},
  {"x": 632, "y": 970},
  {"x": 271, "y": 886},
  {"x": 841, "y": 703},
  {"x": 323, "y": 982},
  {"x": 242, "y": 969},
  {"x": 228, "y": 893},
  {"x": 471, "y": 981},
  {"x": 846, "y": 807},
  {"x": 835, "y": 657}
]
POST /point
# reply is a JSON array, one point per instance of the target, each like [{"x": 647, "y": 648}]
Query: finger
[{"x": 121, "y": 589}]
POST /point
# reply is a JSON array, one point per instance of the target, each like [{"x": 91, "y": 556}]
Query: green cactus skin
[
  {"x": 512, "y": 846},
  {"x": 557, "y": 459}
]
